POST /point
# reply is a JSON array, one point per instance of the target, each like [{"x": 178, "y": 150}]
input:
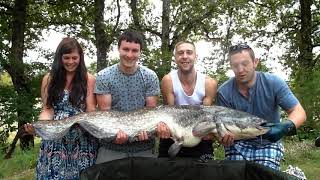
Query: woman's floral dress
[{"x": 65, "y": 158}]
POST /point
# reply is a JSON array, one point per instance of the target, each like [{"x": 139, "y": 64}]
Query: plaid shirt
[{"x": 268, "y": 155}]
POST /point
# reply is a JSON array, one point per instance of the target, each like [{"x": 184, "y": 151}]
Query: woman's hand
[{"x": 28, "y": 129}]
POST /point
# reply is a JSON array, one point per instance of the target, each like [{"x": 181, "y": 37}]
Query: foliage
[
  {"x": 5, "y": 79},
  {"x": 309, "y": 82},
  {"x": 11, "y": 102},
  {"x": 152, "y": 59},
  {"x": 220, "y": 75},
  {"x": 163, "y": 29},
  {"x": 19, "y": 31},
  {"x": 7, "y": 96},
  {"x": 92, "y": 68},
  {"x": 262, "y": 66}
]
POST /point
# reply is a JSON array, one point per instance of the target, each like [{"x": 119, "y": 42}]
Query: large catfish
[{"x": 183, "y": 122}]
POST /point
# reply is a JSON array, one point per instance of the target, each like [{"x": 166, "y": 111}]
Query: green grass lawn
[
  {"x": 301, "y": 154},
  {"x": 21, "y": 165},
  {"x": 304, "y": 155}
]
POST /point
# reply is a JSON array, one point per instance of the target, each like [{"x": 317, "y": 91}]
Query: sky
[
  {"x": 272, "y": 62},
  {"x": 203, "y": 48}
]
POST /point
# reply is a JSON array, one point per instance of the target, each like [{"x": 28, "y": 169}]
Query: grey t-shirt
[{"x": 128, "y": 92}]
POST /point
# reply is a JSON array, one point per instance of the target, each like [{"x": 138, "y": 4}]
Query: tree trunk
[
  {"x": 16, "y": 69},
  {"x": 100, "y": 35},
  {"x": 165, "y": 39},
  {"x": 104, "y": 39},
  {"x": 135, "y": 15},
  {"x": 305, "y": 58}
]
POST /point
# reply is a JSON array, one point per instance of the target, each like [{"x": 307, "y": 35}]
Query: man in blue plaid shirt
[{"x": 260, "y": 94}]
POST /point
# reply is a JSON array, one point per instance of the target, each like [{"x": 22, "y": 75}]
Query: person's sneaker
[{"x": 317, "y": 142}]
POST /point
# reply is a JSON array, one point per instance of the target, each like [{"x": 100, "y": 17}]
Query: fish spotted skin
[{"x": 182, "y": 121}]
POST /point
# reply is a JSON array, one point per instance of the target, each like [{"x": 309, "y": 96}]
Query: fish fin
[
  {"x": 132, "y": 139},
  {"x": 221, "y": 131},
  {"x": 174, "y": 149},
  {"x": 151, "y": 134}
]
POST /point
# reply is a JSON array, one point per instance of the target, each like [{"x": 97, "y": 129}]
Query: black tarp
[{"x": 139, "y": 168}]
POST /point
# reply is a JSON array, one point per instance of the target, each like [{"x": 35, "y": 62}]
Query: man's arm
[
  {"x": 289, "y": 102},
  {"x": 102, "y": 90},
  {"x": 91, "y": 102},
  {"x": 167, "y": 90},
  {"x": 104, "y": 104},
  {"x": 151, "y": 101},
  {"x": 210, "y": 91},
  {"x": 210, "y": 94},
  {"x": 104, "y": 101},
  {"x": 297, "y": 115},
  {"x": 163, "y": 130},
  {"x": 222, "y": 101},
  {"x": 228, "y": 139}
]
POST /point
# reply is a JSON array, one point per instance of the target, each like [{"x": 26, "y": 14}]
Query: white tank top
[{"x": 181, "y": 98}]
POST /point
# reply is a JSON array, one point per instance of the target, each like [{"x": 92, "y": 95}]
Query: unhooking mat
[{"x": 139, "y": 168}]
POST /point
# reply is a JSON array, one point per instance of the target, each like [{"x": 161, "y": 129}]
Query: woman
[{"x": 66, "y": 91}]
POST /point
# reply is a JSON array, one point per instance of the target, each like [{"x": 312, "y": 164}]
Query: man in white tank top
[{"x": 186, "y": 86}]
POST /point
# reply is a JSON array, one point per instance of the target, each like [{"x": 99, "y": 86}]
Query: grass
[
  {"x": 21, "y": 166},
  {"x": 301, "y": 154}
]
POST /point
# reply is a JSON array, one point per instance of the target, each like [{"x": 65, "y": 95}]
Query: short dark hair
[
  {"x": 131, "y": 36},
  {"x": 238, "y": 48}
]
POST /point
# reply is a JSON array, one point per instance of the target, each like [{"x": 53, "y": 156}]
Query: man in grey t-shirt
[{"x": 127, "y": 86}]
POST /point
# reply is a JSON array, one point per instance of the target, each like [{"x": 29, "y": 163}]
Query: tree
[
  {"x": 21, "y": 25},
  {"x": 307, "y": 72},
  {"x": 294, "y": 25},
  {"x": 13, "y": 64},
  {"x": 105, "y": 34},
  {"x": 179, "y": 20}
]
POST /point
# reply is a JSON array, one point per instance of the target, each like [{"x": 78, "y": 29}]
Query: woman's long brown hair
[{"x": 57, "y": 78}]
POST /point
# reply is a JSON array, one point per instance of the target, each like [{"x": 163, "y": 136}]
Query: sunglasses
[{"x": 239, "y": 47}]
